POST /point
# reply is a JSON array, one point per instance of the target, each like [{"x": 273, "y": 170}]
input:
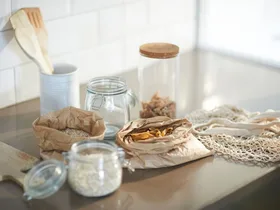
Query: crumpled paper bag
[
  {"x": 174, "y": 149},
  {"x": 52, "y": 141}
]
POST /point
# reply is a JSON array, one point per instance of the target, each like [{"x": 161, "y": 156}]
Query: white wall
[
  {"x": 245, "y": 28},
  {"x": 101, "y": 37}
]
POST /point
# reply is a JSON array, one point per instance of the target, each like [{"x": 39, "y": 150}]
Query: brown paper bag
[
  {"x": 157, "y": 152},
  {"x": 52, "y": 141}
]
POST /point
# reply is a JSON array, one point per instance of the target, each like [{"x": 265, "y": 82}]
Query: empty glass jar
[
  {"x": 158, "y": 74},
  {"x": 110, "y": 97},
  {"x": 94, "y": 169}
]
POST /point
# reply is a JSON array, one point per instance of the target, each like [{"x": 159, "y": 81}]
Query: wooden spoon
[
  {"x": 36, "y": 19},
  {"x": 27, "y": 39}
]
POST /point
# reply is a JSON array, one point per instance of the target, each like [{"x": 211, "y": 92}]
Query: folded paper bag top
[
  {"x": 47, "y": 129},
  {"x": 178, "y": 147}
]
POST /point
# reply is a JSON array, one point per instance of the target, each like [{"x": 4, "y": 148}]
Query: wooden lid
[{"x": 159, "y": 50}]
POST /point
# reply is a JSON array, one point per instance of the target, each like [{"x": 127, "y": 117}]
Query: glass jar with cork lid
[{"x": 158, "y": 74}]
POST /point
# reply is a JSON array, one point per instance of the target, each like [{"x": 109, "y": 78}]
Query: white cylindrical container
[{"x": 59, "y": 90}]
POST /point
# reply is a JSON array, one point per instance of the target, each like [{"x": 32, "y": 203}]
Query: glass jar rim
[
  {"x": 108, "y": 85},
  {"x": 92, "y": 144}
]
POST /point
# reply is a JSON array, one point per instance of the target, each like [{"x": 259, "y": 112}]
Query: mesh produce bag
[{"x": 238, "y": 134}]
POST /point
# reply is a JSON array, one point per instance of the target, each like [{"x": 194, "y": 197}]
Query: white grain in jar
[{"x": 95, "y": 172}]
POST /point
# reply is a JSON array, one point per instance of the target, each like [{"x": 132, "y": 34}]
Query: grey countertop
[{"x": 207, "y": 80}]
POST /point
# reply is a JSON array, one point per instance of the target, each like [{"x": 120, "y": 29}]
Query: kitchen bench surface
[{"x": 207, "y": 79}]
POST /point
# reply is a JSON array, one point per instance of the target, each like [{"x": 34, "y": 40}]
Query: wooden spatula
[
  {"x": 27, "y": 39},
  {"x": 35, "y": 17},
  {"x": 13, "y": 163}
]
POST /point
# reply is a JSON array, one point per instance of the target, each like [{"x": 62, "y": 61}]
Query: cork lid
[{"x": 159, "y": 50}]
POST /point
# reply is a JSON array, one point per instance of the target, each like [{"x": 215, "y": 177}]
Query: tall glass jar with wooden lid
[{"x": 158, "y": 74}]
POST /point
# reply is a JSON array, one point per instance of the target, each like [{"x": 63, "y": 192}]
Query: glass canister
[
  {"x": 110, "y": 97},
  {"x": 158, "y": 74},
  {"x": 94, "y": 169}
]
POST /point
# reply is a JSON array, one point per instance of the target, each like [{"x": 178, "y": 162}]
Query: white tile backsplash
[
  {"x": 156, "y": 34},
  {"x": 86, "y": 62},
  {"x": 62, "y": 58},
  {"x": 100, "y": 37},
  {"x": 73, "y": 33},
  {"x": 136, "y": 16},
  {"x": 27, "y": 82},
  {"x": 5, "y": 12},
  {"x": 110, "y": 58},
  {"x": 258, "y": 21},
  {"x": 111, "y": 23},
  {"x": 50, "y": 9},
  {"x": 132, "y": 55},
  {"x": 80, "y": 6},
  {"x": 104, "y": 60},
  {"x": 10, "y": 52},
  {"x": 163, "y": 12},
  {"x": 7, "y": 88},
  {"x": 181, "y": 35}
]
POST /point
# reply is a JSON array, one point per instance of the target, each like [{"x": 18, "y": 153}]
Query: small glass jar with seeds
[{"x": 93, "y": 169}]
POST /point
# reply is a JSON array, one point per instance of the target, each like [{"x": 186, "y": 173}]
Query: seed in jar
[
  {"x": 75, "y": 132},
  {"x": 91, "y": 180}
]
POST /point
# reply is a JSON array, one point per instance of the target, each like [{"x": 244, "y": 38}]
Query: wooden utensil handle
[
  {"x": 48, "y": 62},
  {"x": 18, "y": 180}
]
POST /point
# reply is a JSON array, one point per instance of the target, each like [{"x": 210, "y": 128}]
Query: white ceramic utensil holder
[{"x": 59, "y": 90}]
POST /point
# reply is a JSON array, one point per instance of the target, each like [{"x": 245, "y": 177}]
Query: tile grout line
[
  {"x": 124, "y": 37},
  {"x": 197, "y": 23},
  {"x": 96, "y": 10},
  {"x": 72, "y": 14},
  {"x": 148, "y": 8},
  {"x": 98, "y": 28},
  {"x": 70, "y": 7},
  {"x": 11, "y": 5}
]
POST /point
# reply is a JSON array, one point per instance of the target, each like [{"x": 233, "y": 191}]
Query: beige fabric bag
[
  {"x": 174, "y": 149},
  {"x": 52, "y": 141}
]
